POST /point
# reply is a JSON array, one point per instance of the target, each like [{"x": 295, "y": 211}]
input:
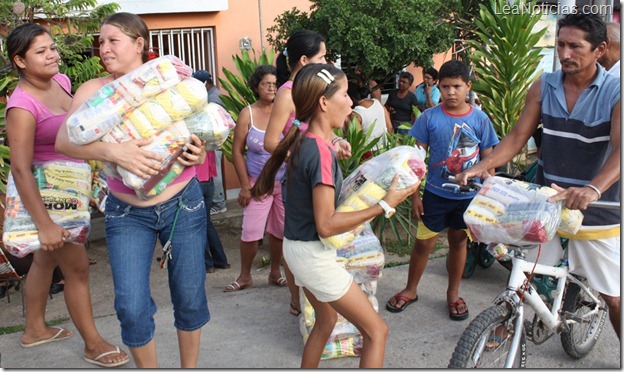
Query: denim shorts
[{"x": 131, "y": 234}]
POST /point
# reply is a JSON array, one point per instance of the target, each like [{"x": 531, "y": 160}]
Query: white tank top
[{"x": 374, "y": 115}]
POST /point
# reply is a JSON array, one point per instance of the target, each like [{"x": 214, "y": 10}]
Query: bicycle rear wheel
[
  {"x": 494, "y": 326},
  {"x": 485, "y": 259},
  {"x": 582, "y": 337}
]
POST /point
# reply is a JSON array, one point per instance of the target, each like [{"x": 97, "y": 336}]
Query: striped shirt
[{"x": 576, "y": 144}]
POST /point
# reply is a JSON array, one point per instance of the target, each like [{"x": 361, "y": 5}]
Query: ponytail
[
  {"x": 265, "y": 182},
  {"x": 283, "y": 71}
]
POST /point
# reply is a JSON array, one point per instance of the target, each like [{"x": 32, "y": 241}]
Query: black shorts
[{"x": 442, "y": 213}]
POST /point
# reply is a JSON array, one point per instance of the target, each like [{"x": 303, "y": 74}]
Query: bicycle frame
[{"x": 516, "y": 288}]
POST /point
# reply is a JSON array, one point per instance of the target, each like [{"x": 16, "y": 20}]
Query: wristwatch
[{"x": 389, "y": 210}]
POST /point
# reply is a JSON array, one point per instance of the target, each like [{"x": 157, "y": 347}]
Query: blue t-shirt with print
[{"x": 455, "y": 143}]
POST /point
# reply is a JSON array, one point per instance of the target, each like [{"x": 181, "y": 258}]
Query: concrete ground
[{"x": 253, "y": 329}]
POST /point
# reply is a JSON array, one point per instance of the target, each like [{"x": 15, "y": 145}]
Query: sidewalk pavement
[{"x": 253, "y": 329}]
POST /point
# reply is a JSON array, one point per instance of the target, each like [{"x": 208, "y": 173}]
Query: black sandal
[{"x": 294, "y": 310}]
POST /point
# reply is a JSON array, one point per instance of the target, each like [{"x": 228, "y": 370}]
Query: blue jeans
[
  {"x": 214, "y": 255},
  {"x": 218, "y": 197},
  {"x": 131, "y": 234}
]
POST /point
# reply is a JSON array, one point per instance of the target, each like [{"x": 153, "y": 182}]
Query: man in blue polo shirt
[{"x": 579, "y": 107}]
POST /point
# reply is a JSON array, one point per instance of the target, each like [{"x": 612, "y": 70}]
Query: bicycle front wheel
[
  {"x": 487, "y": 341},
  {"x": 582, "y": 337}
]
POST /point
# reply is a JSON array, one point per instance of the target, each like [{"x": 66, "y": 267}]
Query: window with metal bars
[{"x": 194, "y": 46}]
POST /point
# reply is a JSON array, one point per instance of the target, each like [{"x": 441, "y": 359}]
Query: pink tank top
[
  {"x": 304, "y": 126},
  {"x": 47, "y": 123}
]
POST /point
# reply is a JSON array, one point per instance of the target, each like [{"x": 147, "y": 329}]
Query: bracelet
[
  {"x": 595, "y": 189},
  {"x": 336, "y": 140}
]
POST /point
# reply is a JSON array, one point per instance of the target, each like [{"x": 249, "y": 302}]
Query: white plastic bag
[
  {"x": 513, "y": 212},
  {"x": 65, "y": 188}
]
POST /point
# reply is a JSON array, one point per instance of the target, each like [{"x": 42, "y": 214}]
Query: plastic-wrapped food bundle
[
  {"x": 345, "y": 339},
  {"x": 65, "y": 188},
  {"x": 99, "y": 186},
  {"x": 103, "y": 110},
  {"x": 157, "y": 100},
  {"x": 169, "y": 144},
  {"x": 516, "y": 212},
  {"x": 212, "y": 123},
  {"x": 368, "y": 184}
]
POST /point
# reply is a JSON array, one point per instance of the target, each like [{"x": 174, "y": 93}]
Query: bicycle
[{"x": 496, "y": 338}]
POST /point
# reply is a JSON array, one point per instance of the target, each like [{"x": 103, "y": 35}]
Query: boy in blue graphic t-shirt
[{"x": 456, "y": 135}]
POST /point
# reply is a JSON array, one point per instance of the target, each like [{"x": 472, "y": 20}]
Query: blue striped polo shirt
[{"x": 576, "y": 144}]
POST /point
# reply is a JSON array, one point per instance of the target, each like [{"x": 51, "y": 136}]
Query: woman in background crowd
[{"x": 249, "y": 158}]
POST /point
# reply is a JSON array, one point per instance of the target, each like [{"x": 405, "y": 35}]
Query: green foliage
[
  {"x": 505, "y": 60},
  {"x": 374, "y": 38},
  {"x": 239, "y": 95},
  {"x": 357, "y": 139},
  {"x": 464, "y": 24}
]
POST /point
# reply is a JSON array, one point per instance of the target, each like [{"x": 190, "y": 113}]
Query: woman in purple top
[
  {"x": 249, "y": 157},
  {"x": 34, "y": 113}
]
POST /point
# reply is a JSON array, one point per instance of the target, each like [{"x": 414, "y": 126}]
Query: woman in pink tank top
[{"x": 34, "y": 114}]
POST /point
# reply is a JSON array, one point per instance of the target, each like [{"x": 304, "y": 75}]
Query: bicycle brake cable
[{"x": 530, "y": 276}]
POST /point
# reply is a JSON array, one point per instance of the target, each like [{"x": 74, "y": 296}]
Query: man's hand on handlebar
[
  {"x": 574, "y": 197},
  {"x": 464, "y": 177}
]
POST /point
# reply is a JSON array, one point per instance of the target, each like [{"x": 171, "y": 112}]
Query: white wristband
[
  {"x": 388, "y": 209},
  {"x": 595, "y": 189}
]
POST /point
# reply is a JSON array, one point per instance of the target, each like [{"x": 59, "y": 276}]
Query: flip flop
[
  {"x": 454, "y": 305},
  {"x": 234, "y": 286},
  {"x": 294, "y": 310},
  {"x": 281, "y": 282},
  {"x": 97, "y": 362},
  {"x": 399, "y": 297},
  {"x": 56, "y": 337}
]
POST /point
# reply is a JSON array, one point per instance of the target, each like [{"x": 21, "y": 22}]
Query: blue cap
[{"x": 202, "y": 75}]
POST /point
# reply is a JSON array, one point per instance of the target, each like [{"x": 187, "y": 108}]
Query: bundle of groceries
[
  {"x": 370, "y": 182},
  {"x": 65, "y": 188},
  {"x": 158, "y": 100},
  {"x": 515, "y": 212}
]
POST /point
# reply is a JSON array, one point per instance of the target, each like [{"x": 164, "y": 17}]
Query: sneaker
[{"x": 216, "y": 210}]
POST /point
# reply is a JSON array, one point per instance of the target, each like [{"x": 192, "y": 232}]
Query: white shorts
[
  {"x": 597, "y": 260},
  {"x": 315, "y": 268}
]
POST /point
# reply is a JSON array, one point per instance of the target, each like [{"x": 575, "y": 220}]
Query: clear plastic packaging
[
  {"x": 368, "y": 184},
  {"x": 157, "y": 100},
  {"x": 513, "y": 212},
  {"x": 104, "y": 109},
  {"x": 65, "y": 188}
]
